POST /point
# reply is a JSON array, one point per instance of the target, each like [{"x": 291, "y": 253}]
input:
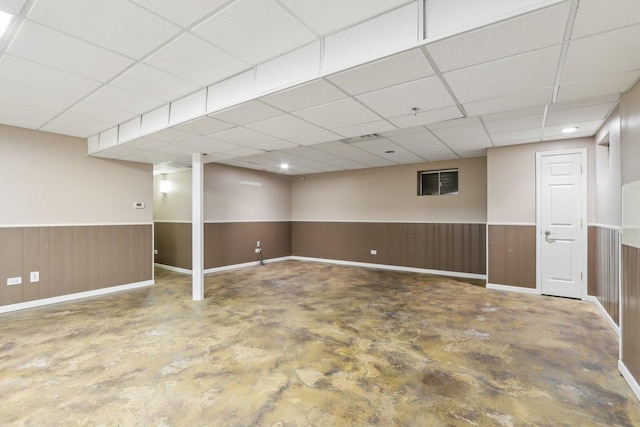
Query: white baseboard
[
  {"x": 629, "y": 378},
  {"x": 246, "y": 264},
  {"x": 604, "y": 313},
  {"x": 517, "y": 289},
  {"x": 73, "y": 297},
  {"x": 172, "y": 268},
  {"x": 393, "y": 267}
]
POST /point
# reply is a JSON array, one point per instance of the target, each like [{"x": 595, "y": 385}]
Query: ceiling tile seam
[
  {"x": 442, "y": 142},
  {"x": 565, "y": 48},
  {"x": 193, "y": 24},
  {"x": 484, "y": 126},
  {"x": 544, "y": 121},
  {"x": 443, "y": 81},
  {"x": 297, "y": 18},
  {"x": 410, "y": 151}
]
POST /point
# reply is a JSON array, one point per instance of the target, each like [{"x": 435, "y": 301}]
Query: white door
[{"x": 561, "y": 225}]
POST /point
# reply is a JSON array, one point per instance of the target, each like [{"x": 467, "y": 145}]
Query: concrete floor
[{"x": 299, "y": 344}]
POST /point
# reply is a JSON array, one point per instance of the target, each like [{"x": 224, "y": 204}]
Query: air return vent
[{"x": 361, "y": 138}]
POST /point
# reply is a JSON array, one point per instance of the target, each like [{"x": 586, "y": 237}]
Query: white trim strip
[
  {"x": 607, "y": 227},
  {"x": 530, "y": 224},
  {"x": 172, "y": 222},
  {"x": 172, "y": 268},
  {"x": 518, "y": 289},
  {"x": 246, "y": 264},
  {"x": 382, "y": 221},
  {"x": 72, "y": 225},
  {"x": 626, "y": 374},
  {"x": 248, "y": 220},
  {"x": 393, "y": 267},
  {"x": 73, "y": 297},
  {"x": 604, "y": 313}
]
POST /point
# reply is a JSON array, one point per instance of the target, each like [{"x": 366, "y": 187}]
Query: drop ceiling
[{"x": 257, "y": 83}]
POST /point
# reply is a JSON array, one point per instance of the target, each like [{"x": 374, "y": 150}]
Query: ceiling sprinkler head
[{"x": 415, "y": 111}]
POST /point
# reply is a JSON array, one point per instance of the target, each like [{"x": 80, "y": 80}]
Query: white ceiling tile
[
  {"x": 180, "y": 150},
  {"x": 425, "y": 145},
  {"x": 602, "y": 55},
  {"x": 365, "y": 128},
  {"x": 193, "y": 59},
  {"x": 397, "y": 69},
  {"x": 155, "y": 83},
  {"x": 300, "y": 65},
  {"x": 516, "y": 136},
  {"x": 26, "y": 73},
  {"x": 582, "y": 114},
  {"x": 244, "y": 151},
  {"x": 388, "y": 150},
  {"x": 404, "y": 131},
  {"x": 519, "y": 112},
  {"x": 88, "y": 110},
  {"x": 587, "y": 128},
  {"x": 183, "y": 13},
  {"x": 276, "y": 145},
  {"x": 531, "y": 121},
  {"x": 285, "y": 127},
  {"x": 172, "y": 136},
  {"x": 112, "y": 25},
  {"x": 204, "y": 126},
  {"x": 69, "y": 123},
  {"x": 462, "y": 134},
  {"x": 427, "y": 117},
  {"x": 244, "y": 137},
  {"x": 246, "y": 113},
  {"x": 14, "y": 7},
  {"x": 118, "y": 152},
  {"x": 329, "y": 16},
  {"x": 510, "y": 102},
  {"x": 255, "y": 30},
  {"x": 232, "y": 91},
  {"x": 123, "y": 100},
  {"x": 15, "y": 95},
  {"x": 545, "y": 27},
  {"x": 346, "y": 112},
  {"x": 609, "y": 85},
  {"x": 24, "y": 117},
  {"x": 37, "y": 43},
  {"x": 150, "y": 157},
  {"x": 210, "y": 145},
  {"x": 306, "y": 96},
  {"x": 426, "y": 94},
  {"x": 145, "y": 144},
  {"x": 378, "y": 37},
  {"x": 598, "y": 16},
  {"x": 448, "y": 17},
  {"x": 316, "y": 138},
  {"x": 521, "y": 73}
]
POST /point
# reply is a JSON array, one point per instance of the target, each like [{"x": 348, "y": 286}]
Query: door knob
[{"x": 546, "y": 233}]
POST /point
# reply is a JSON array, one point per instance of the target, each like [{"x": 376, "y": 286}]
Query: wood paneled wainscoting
[
  {"x": 72, "y": 260},
  {"x": 512, "y": 255},
  {"x": 604, "y": 270},
  {"x": 225, "y": 243},
  {"x": 630, "y": 331},
  {"x": 441, "y": 247}
]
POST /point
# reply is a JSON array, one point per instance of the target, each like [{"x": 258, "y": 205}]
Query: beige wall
[
  {"x": 227, "y": 199},
  {"x": 511, "y": 180},
  {"x": 176, "y": 204},
  {"x": 47, "y": 178},
  {"x": 390, "y": 194},
  {"x": 608, "y": 201},
  {"x": 630, "y": 135}
]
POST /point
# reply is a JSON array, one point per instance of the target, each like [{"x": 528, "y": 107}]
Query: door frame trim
[{"x": 584, "y": 290}]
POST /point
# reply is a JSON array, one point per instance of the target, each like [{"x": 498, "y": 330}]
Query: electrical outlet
[
  {"x": 258, "y": 250},
  {"x": 14, "y": 281},
  {"x": 374, "y": 252},
  {"x": 34, "y": 276},
  {"x": 155, "y": 252},
  {"x": 258, "y": 244}
]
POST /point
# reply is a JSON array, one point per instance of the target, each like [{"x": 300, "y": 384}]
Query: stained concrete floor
[{"x": 309, "y": 344}]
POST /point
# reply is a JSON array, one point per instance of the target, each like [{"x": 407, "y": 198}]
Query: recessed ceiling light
[
  {"x": 5, "y": 19},
  {"x": 570, "y": 130},
  {"x": 284, "y": 166}
]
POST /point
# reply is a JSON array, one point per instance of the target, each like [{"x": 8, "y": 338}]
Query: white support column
[{"x": 197, "y": 191}]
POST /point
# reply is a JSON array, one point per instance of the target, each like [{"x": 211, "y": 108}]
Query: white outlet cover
[
  {"x": 34, "y": 276},
  {"x": 14, "y": 281},
  {"x": 374, "y": 252}
]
